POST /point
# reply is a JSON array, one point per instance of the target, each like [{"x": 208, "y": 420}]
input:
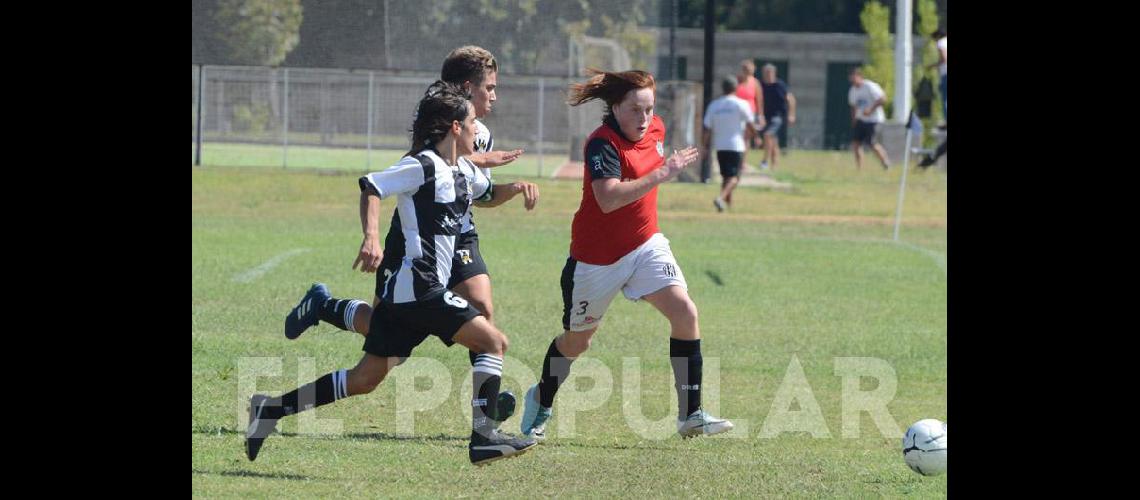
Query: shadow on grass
[
  {"x": 383, "y": 436},
  {"x": 247, "y": 473},
  {"x": 459, "y": 441},
  {"x": 715, "y": 277},
  {"x": 358, "y": 436},
  {"x": 614, "y": 446}
]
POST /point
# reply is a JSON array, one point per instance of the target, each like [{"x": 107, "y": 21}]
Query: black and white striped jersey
[
  {"x": 484, "y": 142},
  {"x": 481, "y": 186},
  {"x": 432, "y": 198}
]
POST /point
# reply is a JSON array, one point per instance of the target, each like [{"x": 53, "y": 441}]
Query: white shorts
[{"x": 588, "y": 289}]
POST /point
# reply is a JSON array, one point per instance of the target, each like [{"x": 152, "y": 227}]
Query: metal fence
[{"x": 370, "y": 110}]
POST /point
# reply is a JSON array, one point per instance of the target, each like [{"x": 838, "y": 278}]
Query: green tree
[
  {"x": 258, "y": 32},
  {"x": 817, "y": 16},
  {"x": 927, "y": 24},
  {"x": 876, "y": 21},
  {"x": 523, "y": 33},
  {"x": 341, "y": 34}
]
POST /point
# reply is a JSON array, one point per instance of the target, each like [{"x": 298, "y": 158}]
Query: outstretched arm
[
  {"x": 492, "y": 159},
  {"x": 503, "y": 193}
]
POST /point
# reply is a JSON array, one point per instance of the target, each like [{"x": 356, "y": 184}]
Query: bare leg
[
  {"x": 727, "y": 187},
  {"x": 881, "y": 152},
  {"x": 772, "y": 144}
]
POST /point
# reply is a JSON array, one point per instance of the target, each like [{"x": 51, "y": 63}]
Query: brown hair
[
  {"x": 442, "y": 104},
  {"x": 610, "y": 87},
  {"x": 468, "y": 63}
]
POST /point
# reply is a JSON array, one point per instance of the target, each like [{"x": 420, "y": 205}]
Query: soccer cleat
[
  {"x": 534, "y": 417},
  {"x": 764, "y": 165},
  {"x": 259, "y": 428},
  {"x": 486, "y": 449},
  {"x": 927, "y": 161},
  {"x": 701, "y": 423},
  {"x": 305, "y": 314},
  {"x": 719, "y": 204}
]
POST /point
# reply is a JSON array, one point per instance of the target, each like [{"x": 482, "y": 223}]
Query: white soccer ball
[{"x": 924, "y": 447}]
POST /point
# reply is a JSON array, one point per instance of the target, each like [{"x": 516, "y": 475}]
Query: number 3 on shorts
[{"x": 454, "y": 300}]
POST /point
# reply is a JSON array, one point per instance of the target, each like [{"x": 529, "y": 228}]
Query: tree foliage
[{"x": 258, "y": 32}]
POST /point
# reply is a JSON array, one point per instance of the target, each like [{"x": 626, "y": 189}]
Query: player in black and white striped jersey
[
  {"x": 433, "y": 187},
  {"x": 477, "y": 71},
  {"x": 430, "y": 219}
]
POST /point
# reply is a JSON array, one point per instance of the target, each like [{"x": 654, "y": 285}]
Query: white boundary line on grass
[
  {"x": 938, "y": 257},
  {"x": 256, "y": 272}
]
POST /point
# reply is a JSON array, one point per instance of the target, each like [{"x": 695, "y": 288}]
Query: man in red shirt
[{"x": 615, "y": 244}]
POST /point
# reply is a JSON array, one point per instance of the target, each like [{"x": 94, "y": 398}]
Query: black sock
[
  {"x": 486, "y": 378},
  {"x": 685, "y": 356},
  {"x": 555, "y": 369},
  {"x": 327, "y": 389},
  {"x": 339, "y": 312},
  {"x": 472, "y": 356}
]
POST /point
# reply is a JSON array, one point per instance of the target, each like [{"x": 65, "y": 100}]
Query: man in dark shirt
[{"x": 779, "y": 107}]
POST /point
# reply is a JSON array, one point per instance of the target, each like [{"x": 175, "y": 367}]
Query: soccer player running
[
  {"x": 615, "y": 245},
  {"x": 726, "y": 119},
  {"x": 476, "y": 70},
  {"x": 433, "y": 186},
  {"x": 866, "y": 99}
]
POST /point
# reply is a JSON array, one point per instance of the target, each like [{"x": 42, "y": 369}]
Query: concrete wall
[{"x": 807, "y": 54}]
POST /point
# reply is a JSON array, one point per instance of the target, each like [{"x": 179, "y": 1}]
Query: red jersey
[{"x": 600, "y": 238}]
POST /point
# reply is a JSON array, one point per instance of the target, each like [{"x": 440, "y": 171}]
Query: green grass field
[
  {"x": 810, "y": 275},
  {"x": 350, "y": 159}
]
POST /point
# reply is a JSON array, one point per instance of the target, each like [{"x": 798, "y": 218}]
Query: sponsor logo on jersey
[{"x": 448, "y": 221}]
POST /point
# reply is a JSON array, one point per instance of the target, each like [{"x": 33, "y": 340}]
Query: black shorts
[
  {"x": 466, "y": 262},
  {"x": 864, "y": 132},
  {"x": 729, "y": 162},
  {"x": 396, "y": 329}
]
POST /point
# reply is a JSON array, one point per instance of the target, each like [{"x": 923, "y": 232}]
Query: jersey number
[{"x": 454, "y": 300}]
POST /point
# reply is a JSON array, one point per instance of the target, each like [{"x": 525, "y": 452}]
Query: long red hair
[{"x": 609, "y": 86}]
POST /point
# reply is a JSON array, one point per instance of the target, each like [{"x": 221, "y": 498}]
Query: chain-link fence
[
  {"x": 368, "y": 110},
  {"x": 284, "y": 109}
]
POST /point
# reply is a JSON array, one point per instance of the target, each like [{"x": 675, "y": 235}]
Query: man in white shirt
[
  {"x": 725, "y": 121},
  {"x": 866, "y": 99}
]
